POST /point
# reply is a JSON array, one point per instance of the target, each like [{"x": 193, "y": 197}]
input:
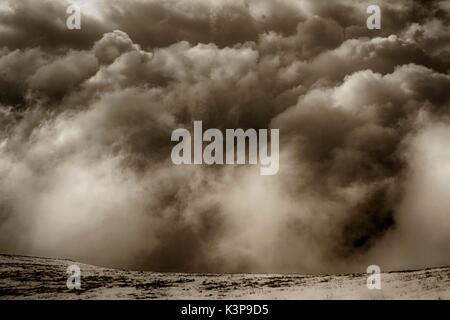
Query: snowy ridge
[{"x": 24, "y": 277}]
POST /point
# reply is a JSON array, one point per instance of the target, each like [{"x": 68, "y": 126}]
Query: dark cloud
[
  {"x": 25, "y": 24},
  {"x": 86, "y": 118}
]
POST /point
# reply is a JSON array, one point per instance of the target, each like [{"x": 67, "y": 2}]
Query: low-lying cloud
[{"x": 86, "y": 118}]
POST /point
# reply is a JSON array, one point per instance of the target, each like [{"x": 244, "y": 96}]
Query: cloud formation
[{"x": 86, "y": 117}]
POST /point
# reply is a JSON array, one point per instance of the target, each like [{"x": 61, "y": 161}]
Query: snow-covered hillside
[{"x": 42, "y": 278}]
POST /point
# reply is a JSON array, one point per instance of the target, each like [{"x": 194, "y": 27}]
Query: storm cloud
[{"x": 86, "y": 117}]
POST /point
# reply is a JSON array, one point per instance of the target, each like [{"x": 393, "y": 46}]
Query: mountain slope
[{"x": 43, "y": 278}]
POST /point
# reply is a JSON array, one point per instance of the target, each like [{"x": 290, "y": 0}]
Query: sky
[{"x": 86, "y": 118}]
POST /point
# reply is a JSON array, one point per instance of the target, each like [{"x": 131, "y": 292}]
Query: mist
[{"x": 86, "y": 118}]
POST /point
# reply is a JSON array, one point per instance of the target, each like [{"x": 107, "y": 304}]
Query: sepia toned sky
[{"x": 364, "y": 118}]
